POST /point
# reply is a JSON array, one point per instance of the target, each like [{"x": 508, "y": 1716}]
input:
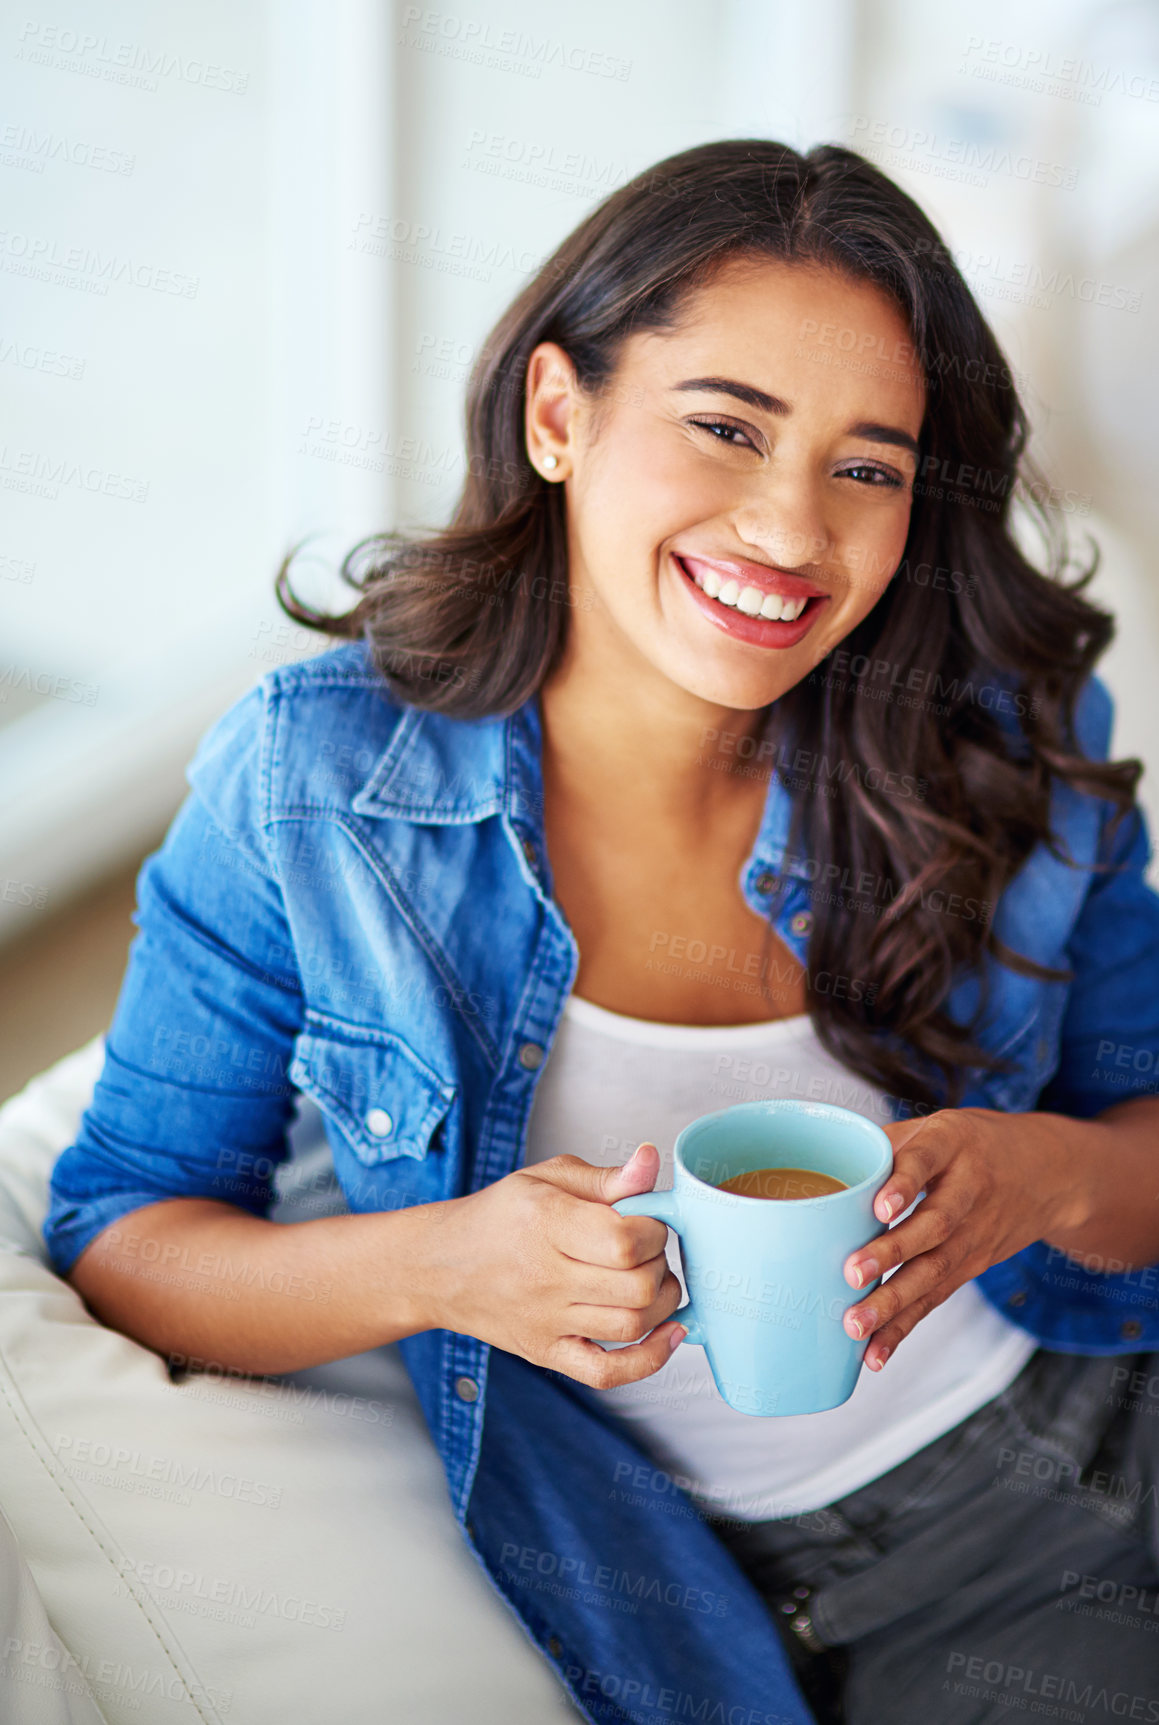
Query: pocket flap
[{"x": 386, "y": 1101}]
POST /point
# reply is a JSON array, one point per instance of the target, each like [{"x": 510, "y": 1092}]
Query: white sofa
[{"x": 271, "y": 1552}]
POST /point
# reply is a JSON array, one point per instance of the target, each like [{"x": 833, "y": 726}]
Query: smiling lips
[
  {"x": 750, "y": 600},
  {"x": 757, "y": 592}
]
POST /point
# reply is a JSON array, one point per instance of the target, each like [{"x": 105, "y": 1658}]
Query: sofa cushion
[{"x": 228, "y": 1548}]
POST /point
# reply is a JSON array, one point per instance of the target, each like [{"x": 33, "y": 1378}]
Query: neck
[{"x": 667, "y": 755}]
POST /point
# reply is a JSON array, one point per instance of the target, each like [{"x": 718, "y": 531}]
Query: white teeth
[{"x": 750, "y": 600}]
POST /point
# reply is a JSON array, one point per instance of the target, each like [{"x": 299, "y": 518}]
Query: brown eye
[
  {"x": 713, "y": 426},
  {"x": 866, "y": 474}
]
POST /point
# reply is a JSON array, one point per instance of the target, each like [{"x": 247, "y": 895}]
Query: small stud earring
[{"x": 551, "y": 461}]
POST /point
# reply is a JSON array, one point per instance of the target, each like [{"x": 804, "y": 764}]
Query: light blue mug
[{"x": 766, "y": 1293}]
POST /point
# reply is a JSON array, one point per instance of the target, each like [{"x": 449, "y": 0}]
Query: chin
[{"x": 730, "y": 686}]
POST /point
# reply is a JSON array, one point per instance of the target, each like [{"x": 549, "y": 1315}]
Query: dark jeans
[{"x": 1010, "y": 1567}]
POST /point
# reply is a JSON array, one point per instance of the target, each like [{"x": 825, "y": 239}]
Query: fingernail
[
  {"x": 864, "y": 1272},
  {"x": 883, "y": 1356},
  {"x": 860, "y": 1322},
  {"x": 677, "y": 1336},
  {"x": 891, "y": 1203}
]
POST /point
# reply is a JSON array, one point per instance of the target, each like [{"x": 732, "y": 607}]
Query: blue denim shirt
[{"x": 355, "y": 902}]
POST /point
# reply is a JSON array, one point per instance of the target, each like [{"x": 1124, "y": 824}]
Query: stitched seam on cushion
[
  {"x": 88, "y": 1696},
  {"x": 30, "y": 1431}
]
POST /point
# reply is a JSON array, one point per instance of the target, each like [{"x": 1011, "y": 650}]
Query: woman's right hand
[{"x": 537, "y": 1263}]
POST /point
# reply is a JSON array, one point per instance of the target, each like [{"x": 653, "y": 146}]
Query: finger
[
  {"x": 918, "y": 1156},
  {"x": 592, "y": 1234},
  {"x": 604, "y": 1370},
  {"x": 601, "y": 1185},
  {"x": 595, "y": 1285},
  {"x": 884, "y": 1341},
  {"x": 933, "y": 1222},
  {"x": 623, "y": 1323},
  {"x": 933, "y": 1270},
  {"x": 899, "y": 1132}
]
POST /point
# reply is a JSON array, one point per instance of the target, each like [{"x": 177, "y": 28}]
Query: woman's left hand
[{"x": 994, "y": 1183}]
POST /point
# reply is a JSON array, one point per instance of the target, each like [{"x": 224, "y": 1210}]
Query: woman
[{"x": 725, "y": 744}]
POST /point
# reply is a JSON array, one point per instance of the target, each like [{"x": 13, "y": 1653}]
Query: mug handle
[{"x": 665, "y": 1207}]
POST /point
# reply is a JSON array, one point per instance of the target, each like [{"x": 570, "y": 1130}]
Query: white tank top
[{"x": 612, "y": 1082}]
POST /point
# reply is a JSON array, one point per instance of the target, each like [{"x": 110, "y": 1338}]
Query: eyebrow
[
  {"x": 753, "y": 397},
  {"x": 884, "y": 434},
  {"x": 745, "y": 392}
]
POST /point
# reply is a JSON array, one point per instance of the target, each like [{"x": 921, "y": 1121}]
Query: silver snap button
[
  {"x": 530, "y": 1056},
  {"x": 802, "y": 1627},
  {"x": 529, "y": 852},
  {"x": 766, "y": 883},
  {"x": 467, "y": 1389},
  {"x": 379, "y": 1122}
]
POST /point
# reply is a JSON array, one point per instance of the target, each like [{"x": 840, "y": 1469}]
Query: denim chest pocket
[{"x": 384, "y": 1099}]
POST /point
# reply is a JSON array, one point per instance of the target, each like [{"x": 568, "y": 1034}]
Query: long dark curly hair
[{"x": 466, "y": 619}]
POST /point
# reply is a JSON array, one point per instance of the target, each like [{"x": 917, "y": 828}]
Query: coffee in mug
[
  {"x": 766, "y": 1293},
  {"x": 782, "y": 1183}
]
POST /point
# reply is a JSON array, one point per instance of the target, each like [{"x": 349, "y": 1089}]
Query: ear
[{"x": 550, "y": 418}]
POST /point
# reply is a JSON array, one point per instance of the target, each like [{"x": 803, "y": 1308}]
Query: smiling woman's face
[{"x": 750, "y": 455}]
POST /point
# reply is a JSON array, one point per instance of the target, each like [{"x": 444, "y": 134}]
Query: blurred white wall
[
  {"x": 513, "y": 123},
  {"x": 179, "y": 307},
  {"x": 1030, "y": 134},
  {"x": 248, "y": 252}
]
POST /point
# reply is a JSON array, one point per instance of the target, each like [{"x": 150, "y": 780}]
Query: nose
[{"x": 786, "y": 524}]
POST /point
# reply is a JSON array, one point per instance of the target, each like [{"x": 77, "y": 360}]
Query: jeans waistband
[{"x": 844, "y": 1570}]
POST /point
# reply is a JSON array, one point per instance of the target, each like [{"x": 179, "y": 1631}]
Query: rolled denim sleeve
[
  {"x": 1108, "y": 1052},
  {"x": 1109, "y": 1044},
  {"x": 1110, "y": 1033},
  {"x": 193, "y": 1100}
]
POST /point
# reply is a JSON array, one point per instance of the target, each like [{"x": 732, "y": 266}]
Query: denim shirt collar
[
  {"x": 439, "y": 771},
  {"x": 442, "y": 771}
]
